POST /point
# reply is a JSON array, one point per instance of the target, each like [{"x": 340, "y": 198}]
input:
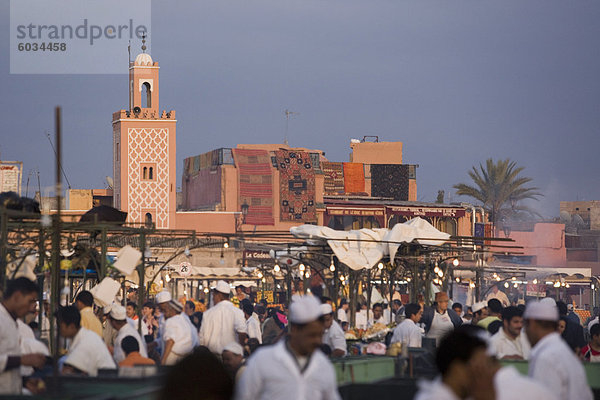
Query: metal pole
[
  {"x": 141, "y": 273},
  {"x": 55, "y": 298}
]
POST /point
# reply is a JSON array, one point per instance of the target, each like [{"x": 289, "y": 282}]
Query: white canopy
[{"x": 363, "y": 248}]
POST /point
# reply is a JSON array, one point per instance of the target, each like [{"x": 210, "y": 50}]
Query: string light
[
  {"x": 440, "y": 273},
  {"x": 301, "y": 267},
  {"x": 226, "y": 245},
  {"x": 167, "y": 278},
  {"x": 260, "y": 275},
  {"x": 535, "y": 281},
  {"x": 436, "y": 269},
  {"x": 205, "y": 290},
  {"x": 472, "y": 285},
  {"x": 380, "y": 266},
  {"x": 457, "y": 279},
  {"x": 506, "y": 285},
  {"x": 307, "y": 274},
  {"x": 455, "y": 262},
  {"x": 276, "y": 268}
]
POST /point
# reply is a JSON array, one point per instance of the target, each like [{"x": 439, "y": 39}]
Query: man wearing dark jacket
[{"x": 440, "y": 320}]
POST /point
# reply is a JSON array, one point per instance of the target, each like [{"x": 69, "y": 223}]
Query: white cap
[
  {"x": 478, "y": 306},
  {"x": 548, "y": 300},
  {"x": 540, "y": 310},
  {"x": 326, "y": 309},
  {"x": 106, "y": 309},
  {"x": 304, "y": 310},
  {"x": 223, "y": 287},
  {"x": 118, "y": 312},
  {"x": 163, "y": 297},
  {"x": 234, "y": 348}
]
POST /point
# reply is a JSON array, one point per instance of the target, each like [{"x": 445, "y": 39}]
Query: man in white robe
[
  {"x": 20, "y": 296},
  {"x": 118, "y": 320},
  {"x": 292, "y": 369}
]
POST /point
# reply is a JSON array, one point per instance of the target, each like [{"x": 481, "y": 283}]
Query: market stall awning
[{"x": 363, "y": 248}]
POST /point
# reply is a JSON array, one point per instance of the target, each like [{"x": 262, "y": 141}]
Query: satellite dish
[
  {"x": 110, "y": 182},
  {"x": 137, "y": 110},
  {"x": 578, "y": 221},
  {"x": 565, "y": 217}
]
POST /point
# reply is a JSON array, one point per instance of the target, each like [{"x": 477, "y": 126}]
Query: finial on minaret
[{"x": 144, "y": 42}]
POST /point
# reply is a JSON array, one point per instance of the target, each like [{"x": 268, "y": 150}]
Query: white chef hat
[
  {"x": 163, "y": 297},
  {"x": 478, "y": 306},
  {"x": 223, "y": 287},
  {"x": 304, "y": 310},
  {"x": 106, "y": 309},
  {"x": 549, "y": 301},
  {"x": 234, "y": 348},
  {"x": 118, "y": 312},
  {"x": 540, "y": 310},
  {"x": 326, "y": 309}
]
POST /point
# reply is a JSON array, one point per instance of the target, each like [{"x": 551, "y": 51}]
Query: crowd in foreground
[{"x": 247, "y": 352}]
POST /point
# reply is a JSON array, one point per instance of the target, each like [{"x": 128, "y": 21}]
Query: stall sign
[
  {"x": 536, "y": 290},
  {"x": 268, "y": 296},
  {"x": 185, "y": 269}
]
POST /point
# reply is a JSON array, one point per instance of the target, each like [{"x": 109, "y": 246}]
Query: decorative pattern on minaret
[{"x": 149, "y": 146}]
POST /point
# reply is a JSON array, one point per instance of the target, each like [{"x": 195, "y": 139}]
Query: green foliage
[{"x": 499, "y": 188}]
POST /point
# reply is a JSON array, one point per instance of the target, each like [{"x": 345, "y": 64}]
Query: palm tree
[{"x": 499, "y": 188}]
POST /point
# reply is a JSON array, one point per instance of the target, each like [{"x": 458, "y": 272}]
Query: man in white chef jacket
[
  {"x": 334, "y": 336},
  {"x": 118, "y": 320},
  {"x": 178, "y": 334},
  {"x": 294, "y": 368},
  {"x": 87, "y": 352},
  {"x": 510, "y": 342},
  {"x": 551, "y": 361},
  {"x": 20, "y": 295},
  {"x": 408, "y": 333},
  {"x": 223, "y": 323}
]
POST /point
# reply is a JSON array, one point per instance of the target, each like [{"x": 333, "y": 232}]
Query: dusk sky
[{"x": 457, "y": 81}]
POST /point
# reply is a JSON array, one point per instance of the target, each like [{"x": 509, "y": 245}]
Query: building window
[
  {"x": 349, "y": 222},
  {"x": 148, "y": 171},
  {"x": 148, "y": 220},
  {"x": 146, "y": 95}
]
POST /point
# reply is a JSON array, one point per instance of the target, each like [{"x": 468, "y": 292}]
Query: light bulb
[
  {"x": 436, "y": 269},
  {"x": 276, "y": 268},
  {"x": 380, "y": 266},
  {"x": 567, "y": 285},
  {"x": 307, "y": 274},
  {"x": 342, "y": 278},
  {"x": 205, "y": 290},
  {"x": 455, "y": 262},
  {"x": 332, "y": 267},
  {"x": 471, "y": 285},
  {"x": 440, "y": 273},
  {"x": 301, "y": 267},
  {"x": 506, "y": 285},
  {"x": 167, "y": 278},
  {"x": 260, "y": 275},
  {"x": 264, "y": 280},
  {"x": 535, "y": 281},
  {"x": 457, "y": 279},
  {"x": 516, "y": 285},
  {"x": 226, "y": 245},
  {"x": 408, "y": 279}
]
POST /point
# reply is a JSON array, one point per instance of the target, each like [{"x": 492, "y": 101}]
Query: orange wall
[
  {"x": 546, "y": 243},
  {"x": 217, "y": 222},
  {"x": 376, "y": 152}
]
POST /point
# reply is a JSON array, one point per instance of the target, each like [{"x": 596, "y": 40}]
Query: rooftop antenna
[
  {"x": 60, "y": 164},
  {"x": 129, "y": 53},
  {"x": 287, "y": 121}
]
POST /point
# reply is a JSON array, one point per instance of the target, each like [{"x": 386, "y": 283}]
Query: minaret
[{"x": 144, "y": 150}]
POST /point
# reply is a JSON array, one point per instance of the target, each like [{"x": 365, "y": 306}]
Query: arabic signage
[{"x": 426, "y": 211}]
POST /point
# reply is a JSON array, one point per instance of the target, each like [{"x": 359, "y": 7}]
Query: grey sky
[{"x": 456, "y": 81}]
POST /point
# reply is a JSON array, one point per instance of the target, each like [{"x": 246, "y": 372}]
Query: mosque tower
[{"x": 144, "y": 150}]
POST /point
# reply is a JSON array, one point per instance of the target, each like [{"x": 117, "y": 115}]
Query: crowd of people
[{"x": 253, "y": 351}]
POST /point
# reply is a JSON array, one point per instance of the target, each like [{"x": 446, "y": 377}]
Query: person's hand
[
  {"x": 35, "y": 360},
  {"x": 35, "y": 385}
]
